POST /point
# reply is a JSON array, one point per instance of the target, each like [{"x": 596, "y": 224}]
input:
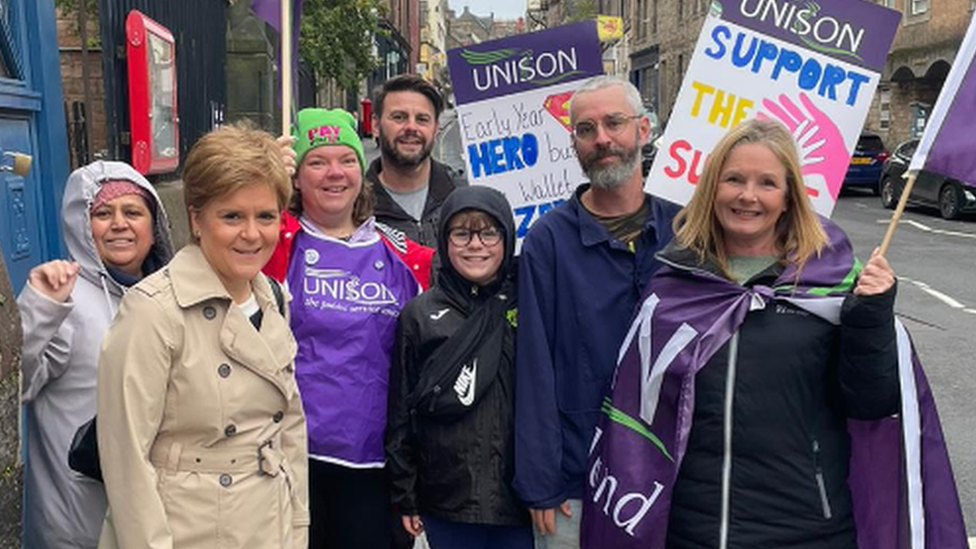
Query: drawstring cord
[{"x": 108, "y": 296}]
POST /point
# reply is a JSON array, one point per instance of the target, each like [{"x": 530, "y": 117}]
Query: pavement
[{"x": 370, "y": 150}]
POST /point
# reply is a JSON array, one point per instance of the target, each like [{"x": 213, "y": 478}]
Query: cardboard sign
[
  {"x": 512, "y": 110},
  {"x": 814, "y": 68}
]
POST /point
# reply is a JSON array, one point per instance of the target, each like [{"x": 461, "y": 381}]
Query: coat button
[
  {"x": 209, "y": 312},
  {"x": 224, "y": 370},
  {"x": 230, "y": 430},
  {"x": 279, "y": 415},
  {"x": 226, "y": 480}
]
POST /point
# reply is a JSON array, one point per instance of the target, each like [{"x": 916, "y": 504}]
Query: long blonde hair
[{"x": 799, "y": 234}]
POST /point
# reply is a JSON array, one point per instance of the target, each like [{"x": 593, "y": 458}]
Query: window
[
  {"x": 642, "y": 18},
  {"x": 681, "y": 10},
  {"x": 919, "y": 6},
  {"x": 870, "y": 143},
  {"x": 9, "y": 67},
  {"x": 884, "y": 116},
  {"x": 653, "y": 16}
]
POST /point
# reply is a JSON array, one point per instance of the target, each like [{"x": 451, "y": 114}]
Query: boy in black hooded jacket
[{"x": 450, "y": 431}]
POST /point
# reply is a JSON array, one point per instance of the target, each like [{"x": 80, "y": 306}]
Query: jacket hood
[
  {"x": 79, "y": 194},
  {"x": 485, "y": 199}
]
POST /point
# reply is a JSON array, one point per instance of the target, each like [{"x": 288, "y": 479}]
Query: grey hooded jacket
[{"x": 62, "y": 508}]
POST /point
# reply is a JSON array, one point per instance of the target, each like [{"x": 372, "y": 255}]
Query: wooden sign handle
[
  {"x": 895, "y": 217},
  {"x": 286, "y": 66}
]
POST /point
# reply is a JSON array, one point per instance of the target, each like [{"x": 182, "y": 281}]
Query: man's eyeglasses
[
  {"x": 462, "y": 237},
  {"x": 613, "y": 124}
]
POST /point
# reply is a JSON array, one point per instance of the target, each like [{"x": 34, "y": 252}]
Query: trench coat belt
[{"x": 265, "y": 458}]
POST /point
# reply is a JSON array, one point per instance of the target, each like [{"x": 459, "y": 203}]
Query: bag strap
[
  {"x": 278, "y": 293},
  {"x": 482, "y": 331}
]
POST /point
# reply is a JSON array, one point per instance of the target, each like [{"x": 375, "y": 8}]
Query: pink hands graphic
[{"x": 821, "y": 146}]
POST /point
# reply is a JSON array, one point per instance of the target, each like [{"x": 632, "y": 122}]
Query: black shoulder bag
[{"x": 462, "y": 369}]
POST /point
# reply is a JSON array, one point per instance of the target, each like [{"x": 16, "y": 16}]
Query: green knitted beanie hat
[{"x": 315, "y": 128}]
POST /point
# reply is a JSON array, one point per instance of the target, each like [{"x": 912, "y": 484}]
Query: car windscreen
[
  {"x": 870, "y": 143},
  {"x": 908, "y": 149}
]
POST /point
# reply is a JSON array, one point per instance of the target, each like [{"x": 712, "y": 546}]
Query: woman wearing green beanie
[{"x": 349, "y": 284}]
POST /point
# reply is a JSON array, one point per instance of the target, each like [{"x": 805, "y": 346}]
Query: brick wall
[{"x": 69, "y": 47}]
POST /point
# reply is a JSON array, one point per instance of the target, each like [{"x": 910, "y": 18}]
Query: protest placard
[
  {"x": 512, "y": 100},
  {"x": 813, "y": 67}
]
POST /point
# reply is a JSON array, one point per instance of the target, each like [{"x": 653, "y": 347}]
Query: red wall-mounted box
[{"x": 153, "y": 114}]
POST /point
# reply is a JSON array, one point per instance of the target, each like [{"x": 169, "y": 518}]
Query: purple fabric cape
[{"x": 904, "y": 495}]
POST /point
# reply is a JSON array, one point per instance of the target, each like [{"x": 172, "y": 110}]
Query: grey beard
[{"x": 615, "y": 175}]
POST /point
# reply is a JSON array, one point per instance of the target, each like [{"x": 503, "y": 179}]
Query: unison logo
[
  {"x": 493, "y": 69},
  {"x": 823, "y": 33}
]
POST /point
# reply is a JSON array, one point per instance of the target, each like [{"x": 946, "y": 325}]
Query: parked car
[
  {"x": 866, "y": 162},
  {"x": 649, "y": 150},
  {"x": 953, "y": 198}
]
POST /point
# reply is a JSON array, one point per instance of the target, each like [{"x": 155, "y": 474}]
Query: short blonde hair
[
  {"x": 228, "y": 159},
  {"x": 799, "y": 234}
]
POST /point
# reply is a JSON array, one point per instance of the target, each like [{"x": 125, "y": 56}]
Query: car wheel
[
  {"x": 889, "y": 193},
  {"x": 949, "y": 201}
]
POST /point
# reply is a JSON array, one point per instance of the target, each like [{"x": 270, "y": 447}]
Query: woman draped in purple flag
[{"x": 765, "y": 394}]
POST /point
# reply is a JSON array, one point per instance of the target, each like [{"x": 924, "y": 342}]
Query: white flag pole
[{"x": 286, "y": 66}]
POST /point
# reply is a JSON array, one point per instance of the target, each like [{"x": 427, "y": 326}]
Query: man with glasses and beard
[
  {"x": 409, "y": 185},
  {"x": 583, "y": 267}
]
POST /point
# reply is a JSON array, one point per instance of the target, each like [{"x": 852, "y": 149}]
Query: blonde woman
[{"x": 766, "y": 336}]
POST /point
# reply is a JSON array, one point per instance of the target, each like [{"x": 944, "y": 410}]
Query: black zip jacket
[
  {"x": 443, "y": 181},
  {"x": 460, "y": 467},
  {"x": 796, "y": 379}
]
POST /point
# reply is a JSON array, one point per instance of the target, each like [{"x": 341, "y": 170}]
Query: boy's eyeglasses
[
  {"x": 613, "y": 124},
  {"x": 462, "y": 237}
]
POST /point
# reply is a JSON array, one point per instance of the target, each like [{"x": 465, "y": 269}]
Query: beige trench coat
[{"x": 200, "y": 423}]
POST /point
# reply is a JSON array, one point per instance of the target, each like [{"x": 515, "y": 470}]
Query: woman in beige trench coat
[{"x": 201, "y": 429}]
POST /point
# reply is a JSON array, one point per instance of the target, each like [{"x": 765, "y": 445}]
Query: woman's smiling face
[{"x": 750, "y": 199}]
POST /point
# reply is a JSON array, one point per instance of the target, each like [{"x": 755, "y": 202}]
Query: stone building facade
[
  {"x": 926, "y": 44},
  {"x": 663, "y": 40},
  {"x": 468, "y": 28}
]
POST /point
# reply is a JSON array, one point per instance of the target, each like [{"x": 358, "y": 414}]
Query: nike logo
[
  {"x": 464, "y": 386},
  {"x": 439, "y": 314}
]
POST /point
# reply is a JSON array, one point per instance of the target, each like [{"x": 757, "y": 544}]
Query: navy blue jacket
[{"x": 578, "y": 287}]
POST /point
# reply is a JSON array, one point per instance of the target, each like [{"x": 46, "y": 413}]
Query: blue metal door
[
  {"x": 20, "y": 230},
  {"x": 31, "y": 122}
]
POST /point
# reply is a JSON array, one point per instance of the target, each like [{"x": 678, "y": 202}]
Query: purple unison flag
[
  {"x": 948, "y": 142},
  {"x": 902, "y": 488},
  {"x": 270, "y": 12}
]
